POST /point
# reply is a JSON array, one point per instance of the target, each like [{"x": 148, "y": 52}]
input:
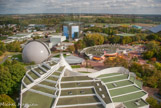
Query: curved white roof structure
[
  {"x": 35, "y": 51},
  {"x": 51, "y": 85}
]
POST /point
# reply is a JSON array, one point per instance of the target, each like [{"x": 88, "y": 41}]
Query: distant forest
[{"x": 50, "y": 19}]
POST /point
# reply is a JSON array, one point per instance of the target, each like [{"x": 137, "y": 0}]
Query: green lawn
[
  {"x": 27, "y": 80},
  {"x": 52, "y": 78},
  {"x": 75, "y": 66},
  {"x": 33, "y": 75},
  {"x": 89, "y": 106},
  {"x": 40, "y": 101},
  {"x": 77, "y": 78},
  {"x": 76, "y": 92},
  {"x": 119, "y": 84},
  {"x": 56, "y": 73},
  {"x": 44, "y": 67},
  {"x": 129, "y": 97},
  {"x": 48, "y": 83},
  {"x": 111, "y": 74},
  {"x": 39, "y": 71},
  {"x": 139, "y": 83},
  {"x": 77, "y": 100},
  {"x": 70, "y": 85},
  {"x": 123, "y": 90},
  {"x": 61, "y": 68},
  {"x": 42, "y": 89},
  {"x": 115, "y": 78},
  {"x": 84, "y": 72},
  {"x": 132, "y": 104}
]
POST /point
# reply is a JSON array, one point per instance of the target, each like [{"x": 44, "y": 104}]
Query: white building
[{"x": 55, "y": 39}]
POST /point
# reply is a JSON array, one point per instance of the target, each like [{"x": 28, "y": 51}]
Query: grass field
[
  {"x": 89, "y": 106},
  {"x": 119, "y": 84},
  {"x": 139, "y": 83},
  {"x": 33, "y": 75},
  {"x": 76, "y": 92},
  {"x": 42, "y": 89},
  {"x": 56, "y": 73},
  {"x": 123, "y": 90},
  {"x": 61, "y": 68},
  {"x": 39, "y": 71},
  {"x": 70, "y": 85},
  {"x": 52, "y": 78},
  {"x": 106, "y": 75},
  {"x": 128, "y": 97},
  {"x": 45, "y": 67},
  {"x": 76, "y": 78},
  {"x": 75, "y": 66},
  {"x": 132, "y": 104},
  {"x": 40, "y": 101},
  {"x": 48, "y": 83},
  {"x": 77, "y": 100},
  {"x": 27, "y": 81},
  {"x": 115, "y": 78}
]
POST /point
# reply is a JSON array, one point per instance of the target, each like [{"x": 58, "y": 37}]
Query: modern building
[
  {"x": 137, "y": 27},
  {"x": 156, "y": 29},
  {"x": 35, "y": 51},
  {"x": 71, "y": 30},
  {"x": 72, "y": 60},
  {"x": 55, "y": 39},
  {"x": 56, "y": 85},
  {"x": 99, "y": 52}
]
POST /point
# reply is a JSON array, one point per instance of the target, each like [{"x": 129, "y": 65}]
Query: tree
[
  {"x": 136, "y": 68},
  {"x": 10, "y": 77},
  {"x": 71, "y": 48},
  {"x": 118, "y": 61},
  {"x": 7, "y": 101},
  {"x": 93, "y": 39},
  {"x": 2, "y": 47},
  {"x": 152, "y": 46},
  {"x": 79, "y": 45},
  {"x": 5, "y": 80},
  {"x": 153, "y": 103},
  {"x": 126, "y": 40},
  {"x": 152, "y": 37},
  {"x": 148, "y": 54},
  {"x": 1, "y": 53}
]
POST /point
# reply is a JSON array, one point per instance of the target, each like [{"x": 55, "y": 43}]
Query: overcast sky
[{"x": 80, "y": 6}]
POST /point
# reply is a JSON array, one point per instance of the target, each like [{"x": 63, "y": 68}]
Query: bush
[
  {"x": 1, "y": 53},
  {"x": 7, "y": 101}
]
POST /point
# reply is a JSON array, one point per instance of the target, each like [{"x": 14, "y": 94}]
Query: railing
[{"x": 59, "y": 85}]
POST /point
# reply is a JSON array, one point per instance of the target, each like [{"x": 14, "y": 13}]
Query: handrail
[{"x": 59, "y": 86}]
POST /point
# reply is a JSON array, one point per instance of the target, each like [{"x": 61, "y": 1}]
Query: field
[
  {"x": 78, "y": 100},
  {"x": 40, "y": 101}
]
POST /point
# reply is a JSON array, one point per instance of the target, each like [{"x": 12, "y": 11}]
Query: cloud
[{"x": 81, "y": 6}]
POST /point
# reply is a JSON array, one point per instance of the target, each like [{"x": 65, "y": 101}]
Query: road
[{"x": 6, "y": 57}]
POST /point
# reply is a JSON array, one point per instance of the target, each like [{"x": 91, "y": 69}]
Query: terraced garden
[
  {"x": 128, "y": 97},
  {"x": 77, "y": 78},
  {"x": 116, "y": 78},
  {"x": 77, "y": 92},
  {"x": 78, "y": 100},
  {"x": 42, "y": 89},
  {"x": 123, "y": 90},
  {"x": 71, "y": 85},
  {"x": 118, "y": 84},
  {"x": 39, "y": 101}
]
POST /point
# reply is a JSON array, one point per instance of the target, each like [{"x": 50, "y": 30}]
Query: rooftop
[{"x": 50, "y": 85}]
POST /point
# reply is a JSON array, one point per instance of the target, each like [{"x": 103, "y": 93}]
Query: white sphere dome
[{"x": 35, "y": 51}]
